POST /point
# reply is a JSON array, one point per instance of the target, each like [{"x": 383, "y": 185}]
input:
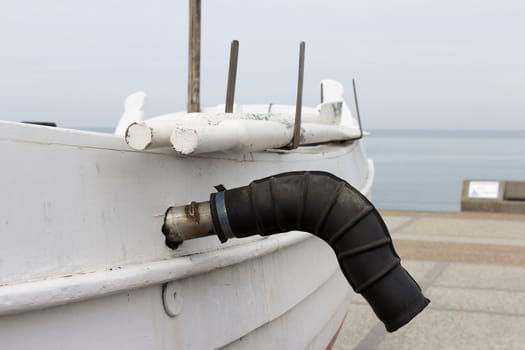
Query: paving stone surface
[{"x": 477, "y": 285}]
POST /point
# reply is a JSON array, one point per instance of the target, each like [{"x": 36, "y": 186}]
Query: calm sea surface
[{"x": 424, "y": 169}]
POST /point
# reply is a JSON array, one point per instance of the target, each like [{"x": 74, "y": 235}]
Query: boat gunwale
[
  {"x": 38, "y": 294},
  {"x": 37, "y": 134}
]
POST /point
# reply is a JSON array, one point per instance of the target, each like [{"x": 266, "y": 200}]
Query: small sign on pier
[
  {"x": 483, "y": 189},
  {"x": 497, "y": 196}
]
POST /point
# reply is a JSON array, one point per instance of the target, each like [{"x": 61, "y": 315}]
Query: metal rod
[
  {"x": 357, "y": 110},
  {"x": 194, "y": 57},
  {"x": 299, "y": 101},
  {"x": 232, "y": 76}
]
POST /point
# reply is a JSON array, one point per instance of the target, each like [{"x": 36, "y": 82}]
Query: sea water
[{"x": 424, "y": 169}]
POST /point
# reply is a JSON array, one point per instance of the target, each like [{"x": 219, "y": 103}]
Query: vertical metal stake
[
  {"x": 357, "y": 110},
  {"x": 299, "y": 101},
  {"x": 232, "y": 76},
  {"x": 194, "y": 57}
]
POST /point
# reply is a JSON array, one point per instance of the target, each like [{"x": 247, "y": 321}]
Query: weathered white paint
[
  {"x": 172, "y": 299},
  {"x": 80, "y": 240},
  {"x": 250, "y": 128},
  {"x": 313, "y": 335},
  {"x": 133, "y": 112},
  {"x": 43, "y": 293},
  {"x": 331, "y": 91},
  {"x": 252, "y": 136},
  {"x": 309, "y": 114},
  {"x": 73, "y": 188},
  {"x": 205, "y": 133},
  {"x": 218, "y": 307},
  {"x": 232, "y": 135},
  {"x": 149, "y": 134}
]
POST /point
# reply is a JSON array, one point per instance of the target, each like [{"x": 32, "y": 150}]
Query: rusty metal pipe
[{"x": 187, "y": 222}]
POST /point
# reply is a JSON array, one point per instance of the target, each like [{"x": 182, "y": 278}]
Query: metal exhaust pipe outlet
[
  {"x": 186, "y": 222},
  {"x": 326, "y": 206}
]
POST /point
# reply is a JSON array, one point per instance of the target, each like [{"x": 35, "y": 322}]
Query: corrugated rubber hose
[{"x": 328, "y": 207}]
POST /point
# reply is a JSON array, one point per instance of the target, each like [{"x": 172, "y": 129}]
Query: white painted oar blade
[{"x": 133, "y": 112}]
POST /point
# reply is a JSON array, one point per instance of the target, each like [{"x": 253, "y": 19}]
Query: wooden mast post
[{"x": 194, "y": 57}]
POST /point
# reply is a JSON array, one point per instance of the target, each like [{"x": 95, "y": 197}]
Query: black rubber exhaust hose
[{"x": 328, "y": 207}]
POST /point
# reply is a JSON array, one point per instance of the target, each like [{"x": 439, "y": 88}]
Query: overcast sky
[{"x": 449, "y": 64}]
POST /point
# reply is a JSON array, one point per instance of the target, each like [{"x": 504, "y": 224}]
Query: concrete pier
[{"x": 471, "y": 266}]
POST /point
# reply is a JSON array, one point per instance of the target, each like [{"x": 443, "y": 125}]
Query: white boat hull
[{"x": 83, "y": 263}]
